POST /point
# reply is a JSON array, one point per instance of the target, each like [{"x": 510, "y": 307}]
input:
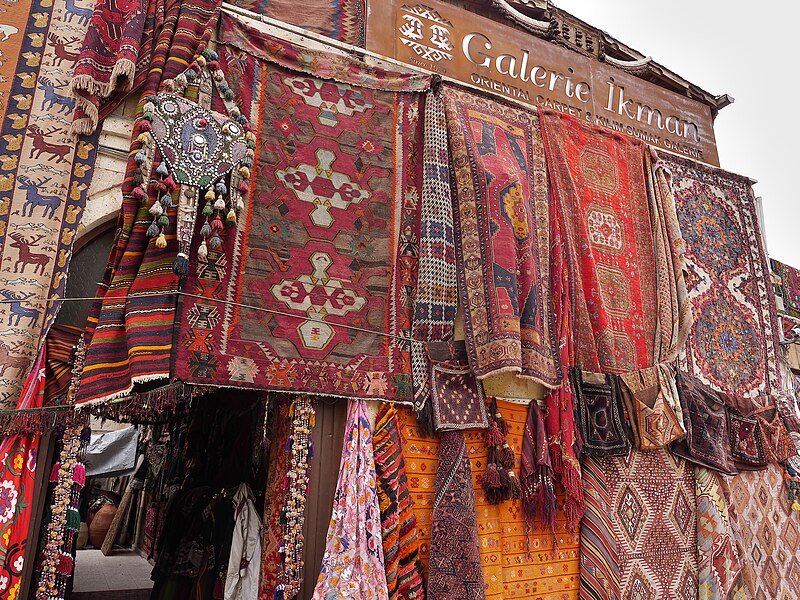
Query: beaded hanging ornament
[{"x": 206, "y": 153}]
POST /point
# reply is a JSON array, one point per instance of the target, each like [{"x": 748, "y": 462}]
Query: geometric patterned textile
[
  {"x": 768, "y": 532},
  {"x": 352, "y": 566},
  {"x": 549, "y": 572},
  {"x": 341, "y": 20},
  {"x": 733, "y": 345},
  {"x": 789, "y": 288},
  {"x": 457, "y": 396},
  {"x": 130, "y": 326},
  {"x": 502, "y": 237},
  {"x": 44, "y": 174},
  {"x": 599, "y": 414},
  {"x": 455, "y": 565},
  {"x": 600, "y": 194},
  {"x": 654, "y": 422},
  {"x": 436, "y": 302},
  {"x": 719, "y": 576},
  {"x": 639, "y": 532},
  {"x": 400, "y": 543},
  {"x": 312, "y": 291}
]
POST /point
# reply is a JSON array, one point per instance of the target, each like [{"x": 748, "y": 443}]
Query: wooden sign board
[{"x": 446, "y": 39}]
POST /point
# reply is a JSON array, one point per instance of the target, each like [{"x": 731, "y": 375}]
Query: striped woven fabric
[
  {"x": 130, "y": 327},
  {"x": 61, "y": 341},
  {"x": 398, "y": 523}
]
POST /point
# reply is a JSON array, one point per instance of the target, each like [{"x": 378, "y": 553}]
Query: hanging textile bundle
[
  {"x": 207, "y": 153},
  {"x": 499, "y": 481}
]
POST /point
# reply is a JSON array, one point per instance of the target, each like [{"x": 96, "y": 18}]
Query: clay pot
[{"x": 100, "y": 524}]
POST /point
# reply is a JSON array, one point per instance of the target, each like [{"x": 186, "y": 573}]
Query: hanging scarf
[
  {"x": 454, "y": 571},
  {"x": 352, "y": 566},
  {"x": 398, "y": 523},
  {"x": 538, "y": 485}
]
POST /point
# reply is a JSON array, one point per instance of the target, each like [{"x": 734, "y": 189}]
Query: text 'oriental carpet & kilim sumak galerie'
[{"x": 313, "y": 290}]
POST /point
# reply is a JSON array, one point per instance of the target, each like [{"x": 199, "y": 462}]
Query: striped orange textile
[{"x": 508, "y": 571}]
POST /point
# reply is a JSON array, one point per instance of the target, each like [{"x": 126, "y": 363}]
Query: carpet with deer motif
[
  {"x": 313, "y": 291},
  {"x": 44, "y": 174}
]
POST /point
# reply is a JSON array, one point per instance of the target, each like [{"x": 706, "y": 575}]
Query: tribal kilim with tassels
[{"x": 313, "y": 291}]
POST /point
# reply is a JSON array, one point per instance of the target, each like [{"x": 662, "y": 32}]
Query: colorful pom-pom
[
  {"x": 138, "y": 178},
  {"x": 210, "y": 195},
  {"x": 162, "y": 170},
  {"x": 140, "y": 157},
  {"x": 153, "y": 230},
  {"x": 244, "y": 172},
  {"x": 163, "y": 220},
  {"x": 161, "y": 241},
  {"x": 156, "y": 210},
  {"x": 202, "y": 251},
  {"x": 215, "y": 241},
  {"x": 166, "y": 201},
  {"x": 230, "y": 218},
  {"x": 54, "y": 472},
  {"x": 221, "y": 188},
  {"x": 205, "y": 230},
  {"x": 244, "y": 188},
  {"x": 144, "y": 138},
  {"x": 219, "y": 204},
  {"x": 169, "y": 183},
  {"x": 201, "y": 61},
  {"x": 79, "y": 475},
  {"x": 208, "y": 209},
  {"x": 217, "y": 225},
  {"x": 138, "y": 193}
]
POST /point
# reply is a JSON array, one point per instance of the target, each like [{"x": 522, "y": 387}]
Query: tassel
[
  {"x": 215, "y": 241},
  {"x": 205, "y": 230},
  {"x": 493, "y": 435},
  {"x": 505, "y": 457},
  {"x": 79, "y": 475},
  {"x": 161, "y": 170},
  {"x": 516, "y": 486},
  {"x": 201, "y": 61},
  {"x": 138, "y": 178},
  {"x": 219, "y": 204},
  {"x": 145, "y": 125},
  {"x": 161, "y": 241},
  {"x": 169, "y": 183},
  {"x": 149, "y": 106},
  {"x": 144, "y": 138},
  {"x": 795, "y": 505},
  {"x": 190, "y": 74},
  {"x": 73, "y": 519},
  {"x": 54, "y": 472},
  {"x": 425, "y": 419},
  {"x": 153, "y": 230},
  {"x": 163, "y": 220},
  {"x": 244, "y": 188},
  {"x": 221, "y": 188},
  {"x": 156, "y": 210},
  {"x": 209, "y": 195},
  {"x": 501, "y": 423},
  {"x": 181, "y": 265},
  {"x": 216, "y": 225},
  {"x": 138, "y": 193},
  {"x": 244, "y": 172},
  {"x": 505, "y": 483},
  {"x": 202, "y": 251},
  {"x": 208, "y": 210},
  {"x": 230, "y": 219},
  {"x": 166, "y": 201},
  {"x": 65, "y": 564}
]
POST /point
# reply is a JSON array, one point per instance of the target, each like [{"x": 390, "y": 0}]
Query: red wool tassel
[
  {"x": 505, "y": 456},
  {"x": 491, "y": 478},
  {"x": 169, "y": 183},
  {"x": 65, "y": 564},
  {"x": 138, "y": 193},
  {"x": 493, "y": 435},
  {"x": 54, "y": 472},
  {"x": 79, "y": 475},
  {"x": 502, "y": 425},
  {"x": 145, "y": 125}
]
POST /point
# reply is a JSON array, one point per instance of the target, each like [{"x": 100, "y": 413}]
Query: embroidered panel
[
  {"x": 318, "y": 294},
  {"x": 639, "y": 534},
  {"x": 654, "y": 422},
  {"x": 599, "y": 189},
  {"x": 503, "y": 237},
  {"x": 733, "y": 343},
  {"x": 457, "y": 395},
  {"x": 599, "y": 414}
]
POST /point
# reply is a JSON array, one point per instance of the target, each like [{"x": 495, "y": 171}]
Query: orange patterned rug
[{"x": 508, "y": 570}]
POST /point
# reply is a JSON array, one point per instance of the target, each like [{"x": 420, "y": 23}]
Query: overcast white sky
[{"x": 746, "y": 49}]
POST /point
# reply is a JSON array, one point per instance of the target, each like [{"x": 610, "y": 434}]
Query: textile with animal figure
[
  {"x": 44, "y": 175},
  {"x": 313, "y": 291}
]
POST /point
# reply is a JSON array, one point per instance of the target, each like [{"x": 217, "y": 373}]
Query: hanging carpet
[
  {"x": 768, "y": 533},
  {"x": 44, "y": 175},
  {"x": 129, "y": 330},
  {"x": 733, "y": 343},
  {"x": 789, "y": 288},
  {"x": 313, "y": 290},
  {"x": 720, "y": 571},
  {"x": 600, "y": 192},
  {"x": 502, "y": 236},
  {"x": 639, "y": 534}
]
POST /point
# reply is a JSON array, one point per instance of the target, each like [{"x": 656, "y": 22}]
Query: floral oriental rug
[
  {"x": 313, "y": 290},
  {"x": 549, "y": 572},
  {"x": 638, "y": 535},
  {"x": 44, "y": 174},
  {"x": 600, "y": 193},
  {"x": 502, "y": 227},
  {"x": 733, "y": 344}
]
